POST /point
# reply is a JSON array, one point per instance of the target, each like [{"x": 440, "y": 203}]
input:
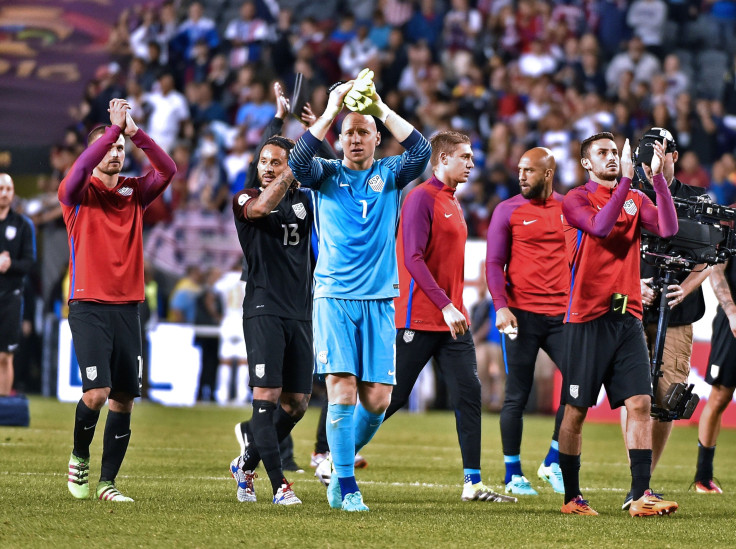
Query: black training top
[
  {"x": 277, "y": 250},
  {"x": 18, "y": 238}
]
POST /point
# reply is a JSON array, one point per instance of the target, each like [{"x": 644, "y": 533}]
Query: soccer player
[
  {"x": 274, "y": 226},
  {"x": 603, "y": 334},
  {"x": 357, "y": 200},
  {"x": 430, "y": 315},
  {"x": 103, "y": 212},
  {"x": 528, "y": 278},
  {"x": 721, "y": 374},
  {"x": 17, "y": 257},
  {"x": 685, "y": 298}
]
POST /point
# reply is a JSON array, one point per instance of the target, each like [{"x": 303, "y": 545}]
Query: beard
[
  {"x": 534, "y": 191},
  {"x": 604, "y": 175}
]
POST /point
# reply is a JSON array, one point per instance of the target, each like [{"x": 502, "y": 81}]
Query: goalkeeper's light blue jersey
[{"x": 356, "y": 217}]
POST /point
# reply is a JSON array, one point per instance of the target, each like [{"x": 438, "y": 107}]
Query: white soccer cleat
[
  {"x": 286, "y": 496},
  {"x": 323, "y": 472},
  {"x": 481, "y": 492}
]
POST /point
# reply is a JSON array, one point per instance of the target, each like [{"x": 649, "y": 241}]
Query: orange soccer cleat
[
  {"x": 578, "y": 506},
  {"x": 651, "y": 505}
]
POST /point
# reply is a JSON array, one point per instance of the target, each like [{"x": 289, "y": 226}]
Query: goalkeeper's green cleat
[
  {"x": 106, "y": 491},
  {"x": 78, "y": 479}
]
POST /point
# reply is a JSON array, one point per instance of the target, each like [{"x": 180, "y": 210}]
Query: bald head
[
  {"x": 7, "y": 193},
  {"x": 359, "y": 138},
  {"x": 536, "y": 173},
  {"x": 542, "y": 157}
]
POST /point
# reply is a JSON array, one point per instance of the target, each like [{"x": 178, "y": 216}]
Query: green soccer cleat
[
  {"x": 78, "y": 479},
  {"x": 106, "y": 491},
  {"x": 354, "y": 503}
]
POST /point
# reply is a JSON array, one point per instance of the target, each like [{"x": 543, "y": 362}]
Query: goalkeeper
[{"x": 356, "y": 277}]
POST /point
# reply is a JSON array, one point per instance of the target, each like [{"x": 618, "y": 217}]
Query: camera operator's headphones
[{"x": 644, "y": 150}]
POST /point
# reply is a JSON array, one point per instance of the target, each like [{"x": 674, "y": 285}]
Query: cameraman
[{"x": 685, "y": 297}]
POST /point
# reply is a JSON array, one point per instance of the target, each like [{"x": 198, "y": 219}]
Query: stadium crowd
[{"x": 510, "y": 74}]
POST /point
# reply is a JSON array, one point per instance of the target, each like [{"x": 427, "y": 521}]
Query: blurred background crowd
[{"x": 511, "y": 74}]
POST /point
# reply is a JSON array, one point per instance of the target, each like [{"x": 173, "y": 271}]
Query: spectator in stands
[
  {"x": 254, "y": 114},
  {"x": 169, "y": 111},
  {"x": 207, "y": 188},
  {"x": 636, "y": 59},
  {"x": 647, "y": 19},
  {"x": 691, "y": 172},
  {"x": 195, "y": 28},
  {"x": 245, "y": 36},
  {"x": 358, "y": 53},
  {"x": 183, "y": 299}
]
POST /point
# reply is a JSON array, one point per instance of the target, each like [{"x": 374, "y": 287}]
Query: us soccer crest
[
  {"x": 260, "y": 370},
  {"x": 376, "y": 183},
  {"x": 92, "y": 373},
  {"x": 299, "y": 210},
  {"x": 715, "y": 369},
  {"x": 630, "y": 207},
  {"x": 10, "y": 232},
  {"x": 408, "y": 336},
  {"x": 322, "y": 357},
  {"x": 574, "y": 391}
]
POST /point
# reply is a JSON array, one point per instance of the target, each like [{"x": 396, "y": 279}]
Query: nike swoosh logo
[
  {"x": 274, "y": 211},
  {"x": 261, "y": 410},
  {"x": 448, "y": 215},
  {"x": 90, "y": 427},
  {"x": 121, "y": 436},
  {"x": 334, "y": 421},
  {"x": 344, "y": 185},
  {"x": 530, "y": 222},
  {"x": 391, "y": 372}
]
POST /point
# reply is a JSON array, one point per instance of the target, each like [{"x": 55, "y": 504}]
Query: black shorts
[
  {"x": 107, "y": 342},
  {"x": 609, "y": 352},
  {"x": 722, "y": 359},
  {"x": 11, "y": 317},
  {"x": 280, "y": 353}
]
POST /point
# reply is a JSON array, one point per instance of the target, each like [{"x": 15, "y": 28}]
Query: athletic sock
[
  {"x": 365, "y": 425},
  {"x": 471, "y": 475},
  {"x": 266, "y": 441},
  {"x": 553, "y": 456},
  {"x": 705, "y": 462},
  {"x": 513, "y": 467},
  {"x": 283, "y": 423},
  {"x": 641, "y": 471},
  {"x": 251, "y": 456},
  {"x": 321, "y": 446},
  {"x": 85, "y": 421},
  {"x": 341, "y": 437},
  {"x": 570, "y": 467},
  {"x": 348, "y": 485},
  {"x": 114, "y": 444}
]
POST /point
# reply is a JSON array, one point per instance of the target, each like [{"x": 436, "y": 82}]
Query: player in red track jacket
[
  {"x": 528, "y": 277},
  {"x": 604, "y": 336},
  {"x": 103, "y": 212}
]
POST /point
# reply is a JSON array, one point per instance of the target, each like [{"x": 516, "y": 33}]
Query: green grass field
[{"x": 177, "y": 471}]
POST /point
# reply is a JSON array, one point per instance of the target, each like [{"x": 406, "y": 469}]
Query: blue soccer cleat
[
  {"x": 334, "y": 496},
  {"x": 520, "y": 486},
  {"x": 354, "y": 503}
]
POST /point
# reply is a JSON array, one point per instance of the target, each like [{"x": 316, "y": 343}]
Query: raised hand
[
  {"x": 282, "y": 103},
  {"x": 118, "y": 109},
  {"x": 130, "y": 126},
  {"x": 627, "y": 163},
  {"x": 307, "y": 117},
  {"x": 336, "y": 99},
  {"x": 658, "y": 156}
]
